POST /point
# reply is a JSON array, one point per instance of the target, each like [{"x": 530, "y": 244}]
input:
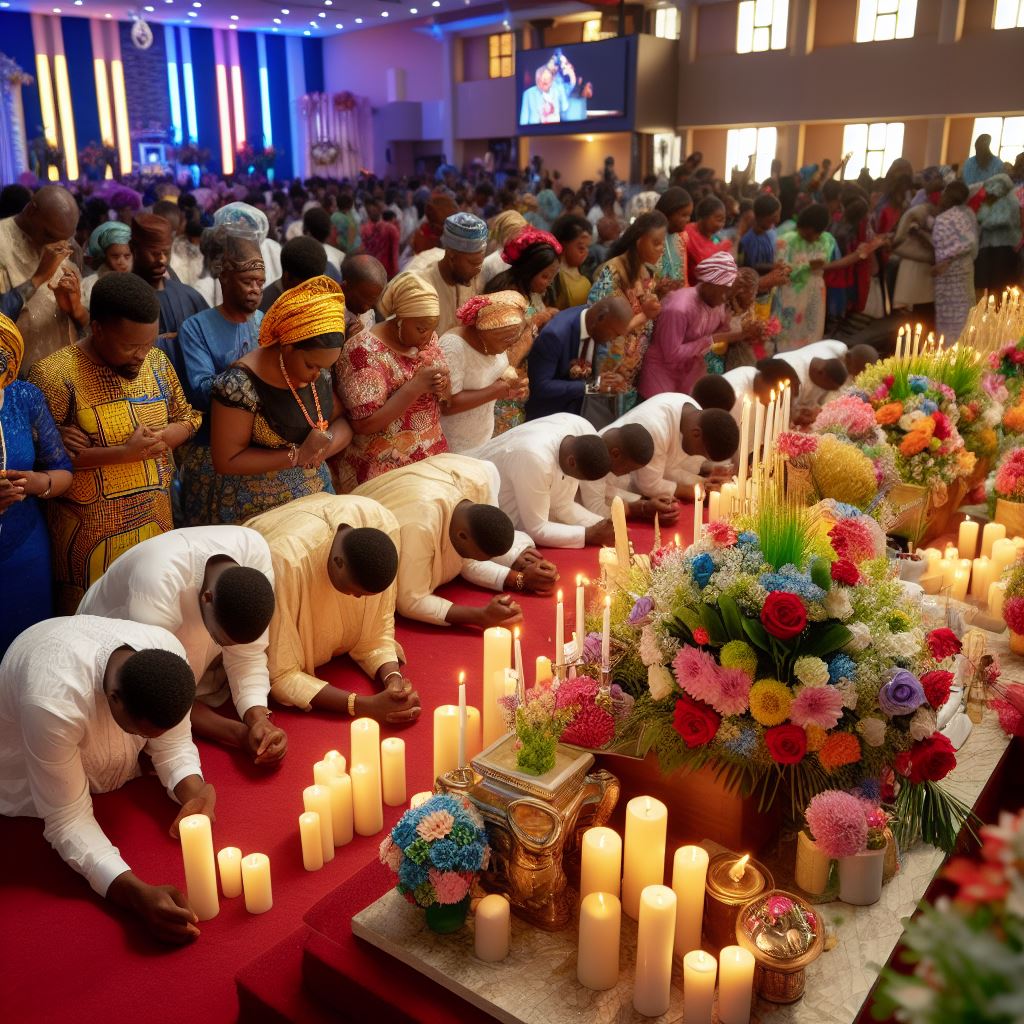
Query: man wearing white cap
[
  {"x": 691, "y": 320},
  {"x": 456, "y": 275}
]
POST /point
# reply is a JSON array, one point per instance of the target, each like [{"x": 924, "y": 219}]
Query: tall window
[
  {"x": 666, "y": 22},
  {"x": 762, "y": 25},
  {"x": 743, "y": 143},
  {"x": 873, "y": 146},
  {"x": 592, "y": 32},
  {"x": 1008, "y": 14},
  {"x": 1007, "y": 135},
  {"x": 878, "y": 20},
  {"x": 500, "y": 50}
]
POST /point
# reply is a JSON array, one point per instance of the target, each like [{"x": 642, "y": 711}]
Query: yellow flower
[
  {"x": 770, "y": 701},
  {"x": 843, "y": 472}
]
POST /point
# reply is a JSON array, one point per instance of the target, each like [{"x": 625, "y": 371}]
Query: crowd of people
[{"x": 241, "y": 429}]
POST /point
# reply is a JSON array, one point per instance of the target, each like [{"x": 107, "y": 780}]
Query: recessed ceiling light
[
  {"x": 4, "y": 3},
  {"x": 234, "y": 17},
  {"x": 284, "y": 10},
  {"x": 322, "y": 14},
  {"x": 306, "y": 33},
  {"x": 383, "y": 14},
  {"x": 412, "y": 10},
  {"x": 192, "y": 14},
  {"x": 359, "y": 21},
  {"x": 108, "y": 15},
  {"x": 78, "y": 3},
  {"x": 232, "y": 26},
  {"x": 339, "y": 26},
  {"x": 149, "y": 7},
  {"x": 273, "y": 28},
  {"x": 277, "y": 21},
  {"x": 436, "y": 3},
  {"x": 56, "y": 10},
  {"x": 196, "y": 4},
  {"x": 328, "y": 3}
]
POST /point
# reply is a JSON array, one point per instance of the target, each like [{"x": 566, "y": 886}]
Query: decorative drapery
[
  {"x": 13, "y": 141},
  {"x": 340, "y": 133}
]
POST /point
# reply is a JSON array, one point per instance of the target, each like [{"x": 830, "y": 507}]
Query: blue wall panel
[
  {"x": 250, "y": 64},
  {"x": 78, "y": 48},
  {"x": 205, "y": 75},
  {"x": 313, "y": 59},
  {"x": 280, "y": 113}
]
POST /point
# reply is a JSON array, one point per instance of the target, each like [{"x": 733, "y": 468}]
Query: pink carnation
[
  {"x": 1011, "y": 721},
  {"x": 449, "y": 886},
  {"x": 838, "y": 823},
  {"x": 793, "y": 444},
  {"x": 852, "y": 540},
  {"x": 1009, "y": 481},
  {"x": 1013, "y": 613},
  {"x": 435, "y": 825},
  {"x": 817, "y": 705},
  {"x": 593, "y": 728},
  {"x": 727, "y": 690},
  {"x": 847, "y": 415},
  {"x": 390, "y": 854},
  {"x": 721, "y": 532}
]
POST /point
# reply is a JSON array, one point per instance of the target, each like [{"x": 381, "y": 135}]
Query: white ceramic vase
[{"x": 860, "y": 878}]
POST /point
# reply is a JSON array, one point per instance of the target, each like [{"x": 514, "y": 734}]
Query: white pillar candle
[
  {"x": 340, "y": 788},
  {"x": 519, "y": 664},
  {"x": 367, "y": 812},
  {"x": 689, "y": 873},
  {"x": 492, "y": 929},
  {"x": 699, "y": 970},
  {"x": 392, "y": 771},
  {"x": 196, "y": 837},
  {"x": 741, "y": 475},
  {"x": 338, "y": 760},
  {"x": 951, "y": 552},
  {"x": 652, "y": 986},
  {"x": 606, "y": 634},
  {"x": 543, "y": 672},
  {"x": 981, "y": 576},
  {"x": 559, "y": 630},
  {"x": 967, "y": 538},
  {"x": 446, "y": 739},
  {"x": 698, "y": 511},
  {"x": 989, "y": 535},
  {"x": 959, "y": 588},
  {"x": 1004, "y": 553},
  {"x": 229, "y": 863},
  {"x": 932, "y": 556},
  {"x": 463, "y": 723},
  {"x": 259, "y": 897},
  {"x": 310, "y": 840},
  {"x": 474, "y": 733},
  {"x": 996, "y": 597},
  {"x": 621, "y": 533},
  {"x": 581, "y": 611},
  {"x": 729, "y": 496},
  {"x": 735, "y": 985},
  {"x": 644, "y": 855},
  {"x": 497, "y": 657},
  {"x": 600, "y": 862},
  {"x": 946, "y": 568},
  {"x": 419, "y": 799},
  {"x": 714, "y": 506},
  {"x": 323, "y": 772},
  {"x": 318, "y": 800},
  {"x": 597, "y": 956}
]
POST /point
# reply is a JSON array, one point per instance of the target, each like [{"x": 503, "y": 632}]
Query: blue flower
[
  {"x": 412, "y": 875},
  {"x": 743, "y": 744},
  {"x": 468, "y": 858},
  {"x": 918, "y": 384},
  {"x": 847, "y": 511},
  {"x": 748, "y": 537},
  {"x": 703, "y": 568},
  {"x": 870, "y": 789},
  {"x": 790, "y": 580},
  {"x": 444, "y": 855},
  {"x": 928, "y": 406},
  {"x": 842, "y": 666}
]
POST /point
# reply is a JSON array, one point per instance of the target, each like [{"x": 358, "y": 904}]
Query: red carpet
[{"x": 68, "y": 956}]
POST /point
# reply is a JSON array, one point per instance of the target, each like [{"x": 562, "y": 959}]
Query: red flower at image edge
[
  {"x": 942, "y": 643},
  {"x": 783, "y": 615},
  {"x": 786, "y": 743},
  {"x": 936, "y": 685},
  {"x": 927, "y": 760},
  {"x": 695, "y": 721}
]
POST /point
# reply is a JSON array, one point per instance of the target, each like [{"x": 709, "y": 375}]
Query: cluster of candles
[
  {"x": 988, "y": 325},
  {"x": 908, "y": 342},
  {"x": 965, "y": 571},
  {"x": 669, "y": 920},
  {"x": 337, "y": 806}
]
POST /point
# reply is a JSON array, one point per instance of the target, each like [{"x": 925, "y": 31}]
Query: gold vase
[
  {"x": 1011, "y": 515},
  {"x": 1017, "y": 643}
]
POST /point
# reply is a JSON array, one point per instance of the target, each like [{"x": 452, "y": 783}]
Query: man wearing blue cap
[{"x": 456, "y": 275}]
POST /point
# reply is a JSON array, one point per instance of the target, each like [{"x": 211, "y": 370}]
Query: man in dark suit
[{"x": 562, "y": 358}]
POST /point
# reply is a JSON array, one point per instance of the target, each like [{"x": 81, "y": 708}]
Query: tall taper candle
[
  {"x": 698, "y": 512},
  {"x": 741, "y": 474},
  {"x": 581, "y": 611},
  {"x": 463, "y": 722},
  {"x": 521, "y": 688},
  {"x": 559, "y": 630},
  {"x": 652, "y": 986},
  {"x": 760, "y": 410},
  {"x": 621, "y": 533},
  {"x": 644, "y": 855},
  {"x": 196, "y": 837},
  {"x": 606, "y": 634},
  {"x": 318, "y": 800},
  {"x": 769, "y": 428}
]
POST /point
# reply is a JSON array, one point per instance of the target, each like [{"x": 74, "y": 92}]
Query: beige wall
[
  {"x": 578, "y": 160},
  {"x": 485, "y": 109},
  {"x": 960, "y": 140},
  {"x": 710, "y": 142},
  {"x": 656, "y": 72},
  {"x": 476, "y": 65},
  {"x": 821, "y": 141}
]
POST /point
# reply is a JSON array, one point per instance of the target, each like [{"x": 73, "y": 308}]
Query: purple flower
[
  {"x": 902, "y": 695},
  {"x": 592, "y": 648},
  {"x": 640, "y": 612}
]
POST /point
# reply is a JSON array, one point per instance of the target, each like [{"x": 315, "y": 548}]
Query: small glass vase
[{"x": 445, "y": 918}]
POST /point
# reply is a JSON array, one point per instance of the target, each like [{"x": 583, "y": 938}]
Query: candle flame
[
  {"x": 739, "y": 869},
  {"x": 677, "y": 540},
  {"x": 773, "y": 394},
  {"x": 607, "y": 601},
  {"x": 515, "y": 632},
  {"x": 579, "y": 580},
  {"x": 559, "y": 597},
  {"x": 462, "y": 679}
]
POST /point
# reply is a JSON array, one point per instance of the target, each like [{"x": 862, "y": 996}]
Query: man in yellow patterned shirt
[{"x": 121, "y": 411}]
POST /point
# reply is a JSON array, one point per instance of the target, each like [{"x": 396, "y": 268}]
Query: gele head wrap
[
  {"x": 495, "y": 311},
  {"x": 515, "y": 247},
  {"x": 308, "y": 310},
  {"x": 12, "y": 350},
  {"x": 409, "y": 295},
  {"x": 113, "y": 232},
  {"x": 718, "y": 269}
]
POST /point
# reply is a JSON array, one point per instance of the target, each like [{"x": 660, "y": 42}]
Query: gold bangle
[
  {"x": 352, "y": 704},
  {"x": 49, "y": 486}
]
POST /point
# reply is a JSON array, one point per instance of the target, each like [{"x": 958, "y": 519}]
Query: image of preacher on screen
[{"x": 558, "y": 94}]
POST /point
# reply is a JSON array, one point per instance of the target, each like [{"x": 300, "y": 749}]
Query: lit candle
[
  {"x": 652, "y": 986},
  {"x": 787, "y": 405},
  {"x": 899, "y": 342},
  {"x": 365, "y": 740},
  {"x": 676, "y": 539},
  {"x": 196, "y": 837},
  {"x": 744, "y": 443},
  {"x": 714, "y": 506},
  {"x": 338, "y": 760},
  {"x": 606, "y": 634},
  {"x": 256, "y": 882},
  {"x": 318, "y": 800},
  {"x": 581, "y": 610},
  {"x": 699, "y": 970},
  {"x": 419, "y": 799},
  {"x": 989, "y": 535},
  {"x": 769, "y": 428},
  {"x": 600, "y": 862},
  {"x": 996, "y": 598},
  {"x": 959, "y": 586},
  {"x": 1004, "y": 553},
  {"x": 597, "y": 956},
  {"x": 727, "y": 507},
  {"x": 492, "y": 928},
  {"x": 542, "y": 674},
  {"x": 759, "y": 417},
  {"x": 446, "y": 739},
  {"x": 698, "y": 511},
  {"x": 340, "y": 788},
  {"x": 463, "y": 720},
  {"x": 981, "y": 576},
  {"x": 621, "y": 533},
  {"x": 309, "y": 837},
  {"x": 519, "y": 664},
  {"x": 392, "y": 770},
  {"x": 967, "y": 538},
  {"x": 559, "y": 630},
  {"x": 917, "y": 340},
  {"x": 497, "y": 658},
  {"x": 689, "y": 873},
  {"x": 644, "y": 856},
  {"x": 229, "y": 862},
  {"x": 946, "y": 569},
  {"x": 367, "y": 812},
  {"x": 735, "y": 985}
]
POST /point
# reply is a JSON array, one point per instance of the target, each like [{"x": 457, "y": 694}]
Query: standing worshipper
[
  {"x": 912, "y": 243},
  {"x": 456, "y": 276},
  {"x": 363, "y": 280},
  {"x": 212, "y": 588},
  {"x": 391, "y": 381},
  {"x": 504, "y": 228},
  {"x": 275, "y": 418},
  {"x": 244, "y": 218},
  {"x": 80, "y": 699},
  {"x": 984, "y": 164},
  {"x": 34, "y": 467},
  {"x": 999, "y": 235},
  {"x": 476, "y": 354},
  {"x": 121, "y": 411},
  {"x": 109, "y": 248},
  {"x": 955, "y": 240},
  {"x": 691, "y": 320},
  {"x": 703, "y": 235},
  {"x": 380, "y": 238},
  {"x": 677, "y": 206},
  {"x": 571, "y": 286},
  {"x": 209, "y": 343},
  {"x": 346, "y": 226},
  {"x": 302, "y": 258},
  {"x": 35, "y": 250},
  {"x": 335, "y": 561}
]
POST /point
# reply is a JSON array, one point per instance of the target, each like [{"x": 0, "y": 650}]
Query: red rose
[
  {"x": 784, "y": 615},
  {"x": 695, "y": 721},
  {"x": 927, "y": 760},
  {"x": 844, "y": 571},
  {"x": 943, "y": 643},
  {"x": 786, "y": 743},
  {"x": 937, "y": 685}
]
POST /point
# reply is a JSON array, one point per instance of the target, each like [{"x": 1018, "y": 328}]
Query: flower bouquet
[
  {"x": 437, "y": 850},
  {"x": 1008, "y": 488},
  {"x": 823, "y": 466},
  {"x": 1008, "y": 364},
  {"x": 1013, "y": 606},
  {"x": 967, "y": 950},
  {"x": 783, "y": 655}
]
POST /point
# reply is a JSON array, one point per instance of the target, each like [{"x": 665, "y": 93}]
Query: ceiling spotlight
[
  {"x": 273, "y": 28},
  {"x": 328, "y": 3},
  {"x": 306, "y": 32},
  {"x": 339, "y": 26},
  {"x": 234, "y": 17},
  {"x": 232, "y": 26},
  {"x": 436, "y": 3},
  {"x": 277, "y": 21},
  {"x": 192, "y": 14},
  {"x": 284, "y": 10},
  {"x": 149, "y": 8},
  {"x": 322, "y": 14},
  {"x": 197, "y": 4},
  {"x": 108, "y": 15},
  {"x": 359, "y": 21},
  {"x": 383, "y": 14},
  {"x": 412, "y": 10},
  {"x": 78, "y": 3},
  {"x": 56, "y": 10}
]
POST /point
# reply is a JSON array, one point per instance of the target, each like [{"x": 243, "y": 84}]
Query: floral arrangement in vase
[
  {"x": 1013, "y": 605},
  {"x": 539, "y": 723},
  {"x": 437, "y": 850},
  {"x": 1008, "y": 489},
  {"x": 781, "y": 652},
  {"x": 967, "y": 948},
  {"x": 1007, "y": 363},
  {"x": 831, "y": 467}
]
